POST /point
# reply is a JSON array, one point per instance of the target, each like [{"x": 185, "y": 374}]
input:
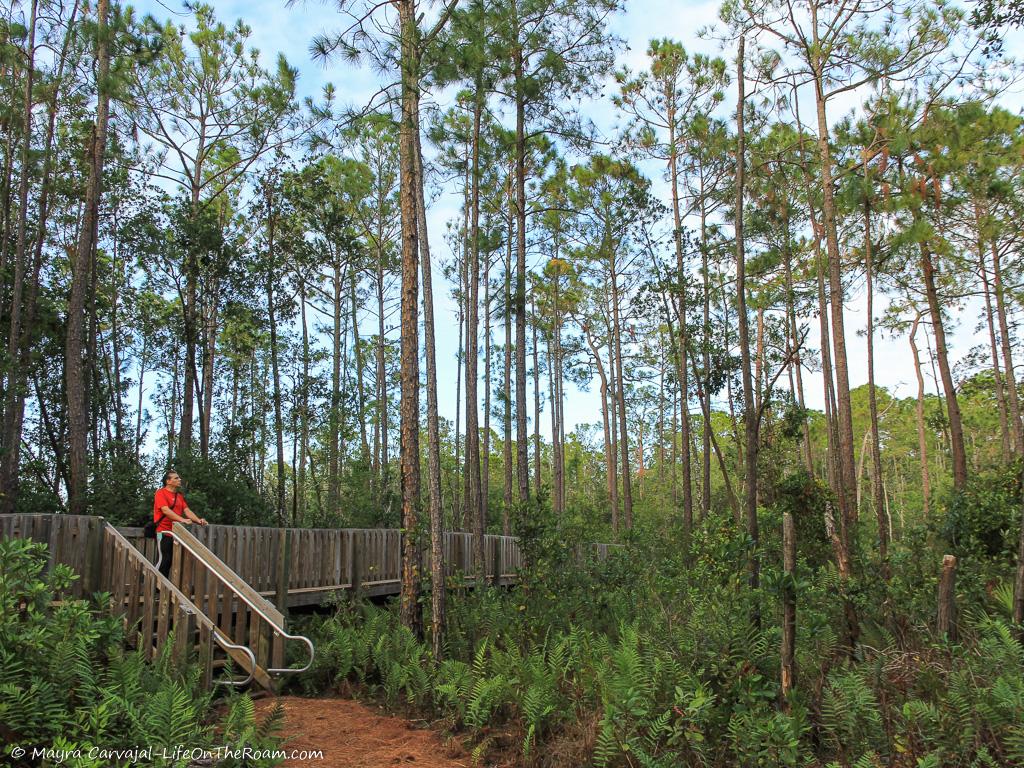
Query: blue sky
[{"x": 276, "y": 27}]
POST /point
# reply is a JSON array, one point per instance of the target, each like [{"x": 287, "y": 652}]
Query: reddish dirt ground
[{"x": 351, "y": 735}]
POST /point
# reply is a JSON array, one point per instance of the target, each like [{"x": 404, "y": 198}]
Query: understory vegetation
[
  {"x": 68, "y": 687},
  {"x": 649, "y": 659}
]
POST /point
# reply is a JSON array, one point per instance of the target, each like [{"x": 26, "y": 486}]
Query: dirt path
[{"x": 351, "y": 735}]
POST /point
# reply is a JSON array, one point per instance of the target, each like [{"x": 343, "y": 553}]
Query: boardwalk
[{"x": 231, "y": 586}]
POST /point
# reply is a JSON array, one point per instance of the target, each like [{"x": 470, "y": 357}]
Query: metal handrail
[
  {"x": 280, "y": 630},
  {"x": 225, "y": 643}
]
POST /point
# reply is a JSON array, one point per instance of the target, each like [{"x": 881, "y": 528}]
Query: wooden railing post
[{"x": 356, "y": 561}]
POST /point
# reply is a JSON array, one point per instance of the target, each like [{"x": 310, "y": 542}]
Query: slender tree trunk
[
  {"x": 1006, "y": 444},
  {"x": 272, "y": 278},
  {"x": 788, "y": 653},
  {"x": 522, "y": 438},
  {"x": 77, "y": 389},
  {"x": 795, "y": 362},
  {"x": 705, "y": 499},
  {"x": 485, "y": 460},
  {"x": 536, "y": 401},
  {"x": 835, "y": 278},
  {"x": 1004, "y": 335},
  {"x": 474, "y": 510},
  {"x": 507, "y": 450},
  {"x": 382, "y": 378},
  {"x": 922, "y": 442},
  {"x": 877, "y": 488},
  {"x": 684, "y": 411},
  {"x": 334, "y": 422},
  {"x": 410, "y": 404},
  {"x": 750, "y": 412},
  {"x": 303, "y": 409},
  {"x": 620, "y": 389},
  {"x": 956, "y": 431},
  {"x": 609, "y": 444},
  {"x": 437, "y": 565},
  {"x": 364, "y": 444}
]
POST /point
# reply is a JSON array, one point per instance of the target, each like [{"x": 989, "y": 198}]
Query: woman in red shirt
[{"x": 170, "y": 507}]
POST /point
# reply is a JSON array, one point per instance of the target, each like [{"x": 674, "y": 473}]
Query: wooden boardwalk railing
[
  {"x": 305, "y": 566},
  {"x": 155, "y": 612},
  {"x": 289, "y": 566}
]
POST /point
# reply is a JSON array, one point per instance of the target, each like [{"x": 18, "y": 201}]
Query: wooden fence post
[
  {"x": 356, "y": 563},
  {"x": 946, "y": 624},
  {"x": 91, "y": 579},
  {"x": 788, "y": 653},
  {"x": 496, "y": 558},
  {"x": 284, "y": 557}
]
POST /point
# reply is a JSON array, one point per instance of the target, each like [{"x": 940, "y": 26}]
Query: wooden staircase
[{"x": 204, "y": 610}]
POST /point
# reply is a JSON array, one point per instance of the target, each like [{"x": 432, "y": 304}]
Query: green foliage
[
  {"x": 652, "y": 653},
  {"x": 984, "y": 520},
  {"x": 66, "y": 682}
]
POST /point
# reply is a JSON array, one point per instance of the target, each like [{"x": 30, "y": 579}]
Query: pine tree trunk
[
  {"x": 77, "y": 389},
  {"x": 300, "y": 509},
  {"x": 956, "y": 430},
  {"x": 620, "y": 390},
  {"x": 410, "y": 402},
  {"x": 705, "y": 499},
  {"x": 506, "y": 523},
  {"x": 844, "y": 413},
  {"x": 1016, "y": 425},
  {"x": 750, "y": 419},
  {"x": 334, "y": 423},
  {"x": 522, "y": 438},
  {"x": 485, "y": 459},
  {"x": 922, "y": 442},
  {"x": 1006, "y": 444},
  {"x": 364, "y": 443},
  {"x": 684, "y": 411},
  {"x": 437, "y": 564},
  {"x": 272, "y": 279},
  {"x": 474, "y": 509},
  {"x": 877, "y": 488},
  {"x": 536, "y": 401}
]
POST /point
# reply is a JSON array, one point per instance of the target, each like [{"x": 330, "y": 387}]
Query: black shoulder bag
[{"x": 149, "y": 529}]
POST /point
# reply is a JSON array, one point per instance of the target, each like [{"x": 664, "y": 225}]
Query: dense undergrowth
[
  {"x": 68, "y": 686},
  {"x": 650, "y": 659}
]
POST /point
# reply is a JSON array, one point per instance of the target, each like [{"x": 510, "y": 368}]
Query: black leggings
[{"x": 165, "y": 554}]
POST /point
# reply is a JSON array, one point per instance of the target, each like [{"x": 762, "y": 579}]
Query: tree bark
[
  {"x": 272, "y": 278},
  {"x": 684, "y": 411},
  {"x": 788, "y": 651},
  {"x": 750, "y": 415},
  {"x": 877, "y": 488},
  {"x": 474, "y": 510},
  {"x": 410, "y": 402},
  {"x": 620, "y": 391},
  {"x": 77, "y": 388},
  {"x": 437, "y": 565},
  {"x": 522, "y": 438},
  {"x": 956, "y": 430},
  {"x": 1004, "y": 335},
  {"x": 922, "y": 442}
]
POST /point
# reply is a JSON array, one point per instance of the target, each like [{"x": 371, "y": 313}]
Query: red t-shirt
[{"x": 165, "y": 498}]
